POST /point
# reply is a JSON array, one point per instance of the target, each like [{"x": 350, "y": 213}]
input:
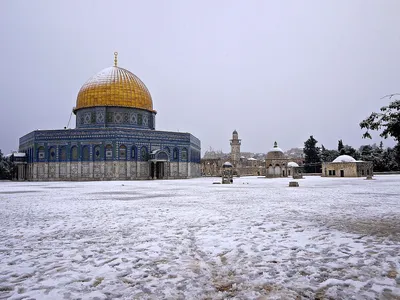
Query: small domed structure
[
  {"x": 292, "y": 164},
  {"x": 276, "y": 162},
  {"x": 347, "y": 166},
  {"x": 227, "y": 164}
]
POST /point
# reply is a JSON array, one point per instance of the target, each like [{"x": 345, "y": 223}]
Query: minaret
[{"x": 235, "y": 148}]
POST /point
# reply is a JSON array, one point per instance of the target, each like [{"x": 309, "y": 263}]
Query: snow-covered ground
[{"x": 191, "y": 239}]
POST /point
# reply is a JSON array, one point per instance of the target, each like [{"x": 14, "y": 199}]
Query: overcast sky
[{"x": 272, "y": 70}]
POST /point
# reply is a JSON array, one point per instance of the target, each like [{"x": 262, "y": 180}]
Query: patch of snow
[
  {"x": 275, "y": 149},
  {"x": 333, "y": 238},
  {"x": 292, "y": 164}
]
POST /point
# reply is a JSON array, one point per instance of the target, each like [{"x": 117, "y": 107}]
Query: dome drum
[{"x": 101, "y": 117}]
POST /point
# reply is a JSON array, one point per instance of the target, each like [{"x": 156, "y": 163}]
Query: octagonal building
[{"x": 114, "y": 138}]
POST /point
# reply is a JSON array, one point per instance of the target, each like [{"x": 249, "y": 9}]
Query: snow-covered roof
[
  {"x": 275, "y": 149},
  {"x": 227, "y": 164},
  {"x": 292, "y": 164},
  {"x": 19, "y": 154},
  {"x": 251, "y": 158},
  {"x": 344, "y": 158}
]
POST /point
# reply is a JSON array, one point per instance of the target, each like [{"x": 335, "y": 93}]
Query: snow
[
  {"x": 292, "y": 164},
  {"x": 275, "y": 149},
  {"x": 19, "y": 154},
  {"x": 344, "y": 158},
  {"x": 257, "y": 238},
  {"x": 251, "y": 158}
]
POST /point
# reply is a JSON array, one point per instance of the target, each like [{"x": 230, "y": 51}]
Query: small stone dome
[
  {"x": 227, "y": 164},
  {"x": 275, "y": 152},
  {"x": 344, "y": 159},
  {"x": 292, "y": 164}
]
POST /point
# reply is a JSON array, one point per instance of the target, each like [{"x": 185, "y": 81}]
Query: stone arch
[
  {"x": 277, "y": 170},
  {"x": 162, "y": 155},
  {"x": 270, "y": 170}
]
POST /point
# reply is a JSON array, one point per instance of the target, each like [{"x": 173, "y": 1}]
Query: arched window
[
  {"x": 122, "y": 152},
  {"x": 133, "y": 153},
  {"x": 40, "y": 153},
  {"x": 97, "y": 153},
  {"x": 109, "y": 152},
  {"x": 184, "y": 154},
  {"x": 52, "y": 154},
  {"x": 63, "y": 153},
  {"x": 74, "y": 153},
  {"x": 85, "y": 153},
  {"x": 175, "y": 155},
  {"x": 143, "y": 153}
]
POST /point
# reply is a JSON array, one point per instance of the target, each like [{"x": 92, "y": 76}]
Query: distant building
[
  {"x": 276, "y": 163},
  {"x": 347, "y": 166},
  {"x": 235, "y": 148}
]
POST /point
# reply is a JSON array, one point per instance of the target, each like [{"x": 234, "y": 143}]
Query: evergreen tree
[
  {"x": 387, "y": 119},
  {"x": 340, "y": 146},
  {"x": 328, "y": 155},
  {"x": 311, "y": 155},
  {"x": 5, "y": 167}
]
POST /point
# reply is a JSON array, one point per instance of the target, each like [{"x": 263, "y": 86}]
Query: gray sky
[{"x": 272, "y": 70}]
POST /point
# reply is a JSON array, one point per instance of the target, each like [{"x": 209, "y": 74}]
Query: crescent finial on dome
[{"x": 115, "y": 58}]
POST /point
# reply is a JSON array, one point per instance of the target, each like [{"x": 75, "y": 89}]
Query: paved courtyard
[{"x": 190, "y": 239}]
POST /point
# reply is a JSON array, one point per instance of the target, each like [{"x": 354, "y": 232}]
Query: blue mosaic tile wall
[
  {"x": 100, "y": 117},
  {"x": 108, "y": 144}
]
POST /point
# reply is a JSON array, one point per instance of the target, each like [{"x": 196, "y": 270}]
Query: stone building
[
  {"x": 276, "y": 163},
  {"x": 347, "y": 166},
  {"x": 114, "y": 138},
  {"x": 242, "y": 166},
  {"x": 235, "y": 148}
]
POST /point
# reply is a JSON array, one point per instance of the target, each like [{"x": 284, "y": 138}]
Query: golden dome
[{"x": 114, "y": 86}]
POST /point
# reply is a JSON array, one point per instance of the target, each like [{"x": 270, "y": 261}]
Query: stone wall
[
  {"x": 350, "y": 169},
  {"x": 107, "y": 170}
]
